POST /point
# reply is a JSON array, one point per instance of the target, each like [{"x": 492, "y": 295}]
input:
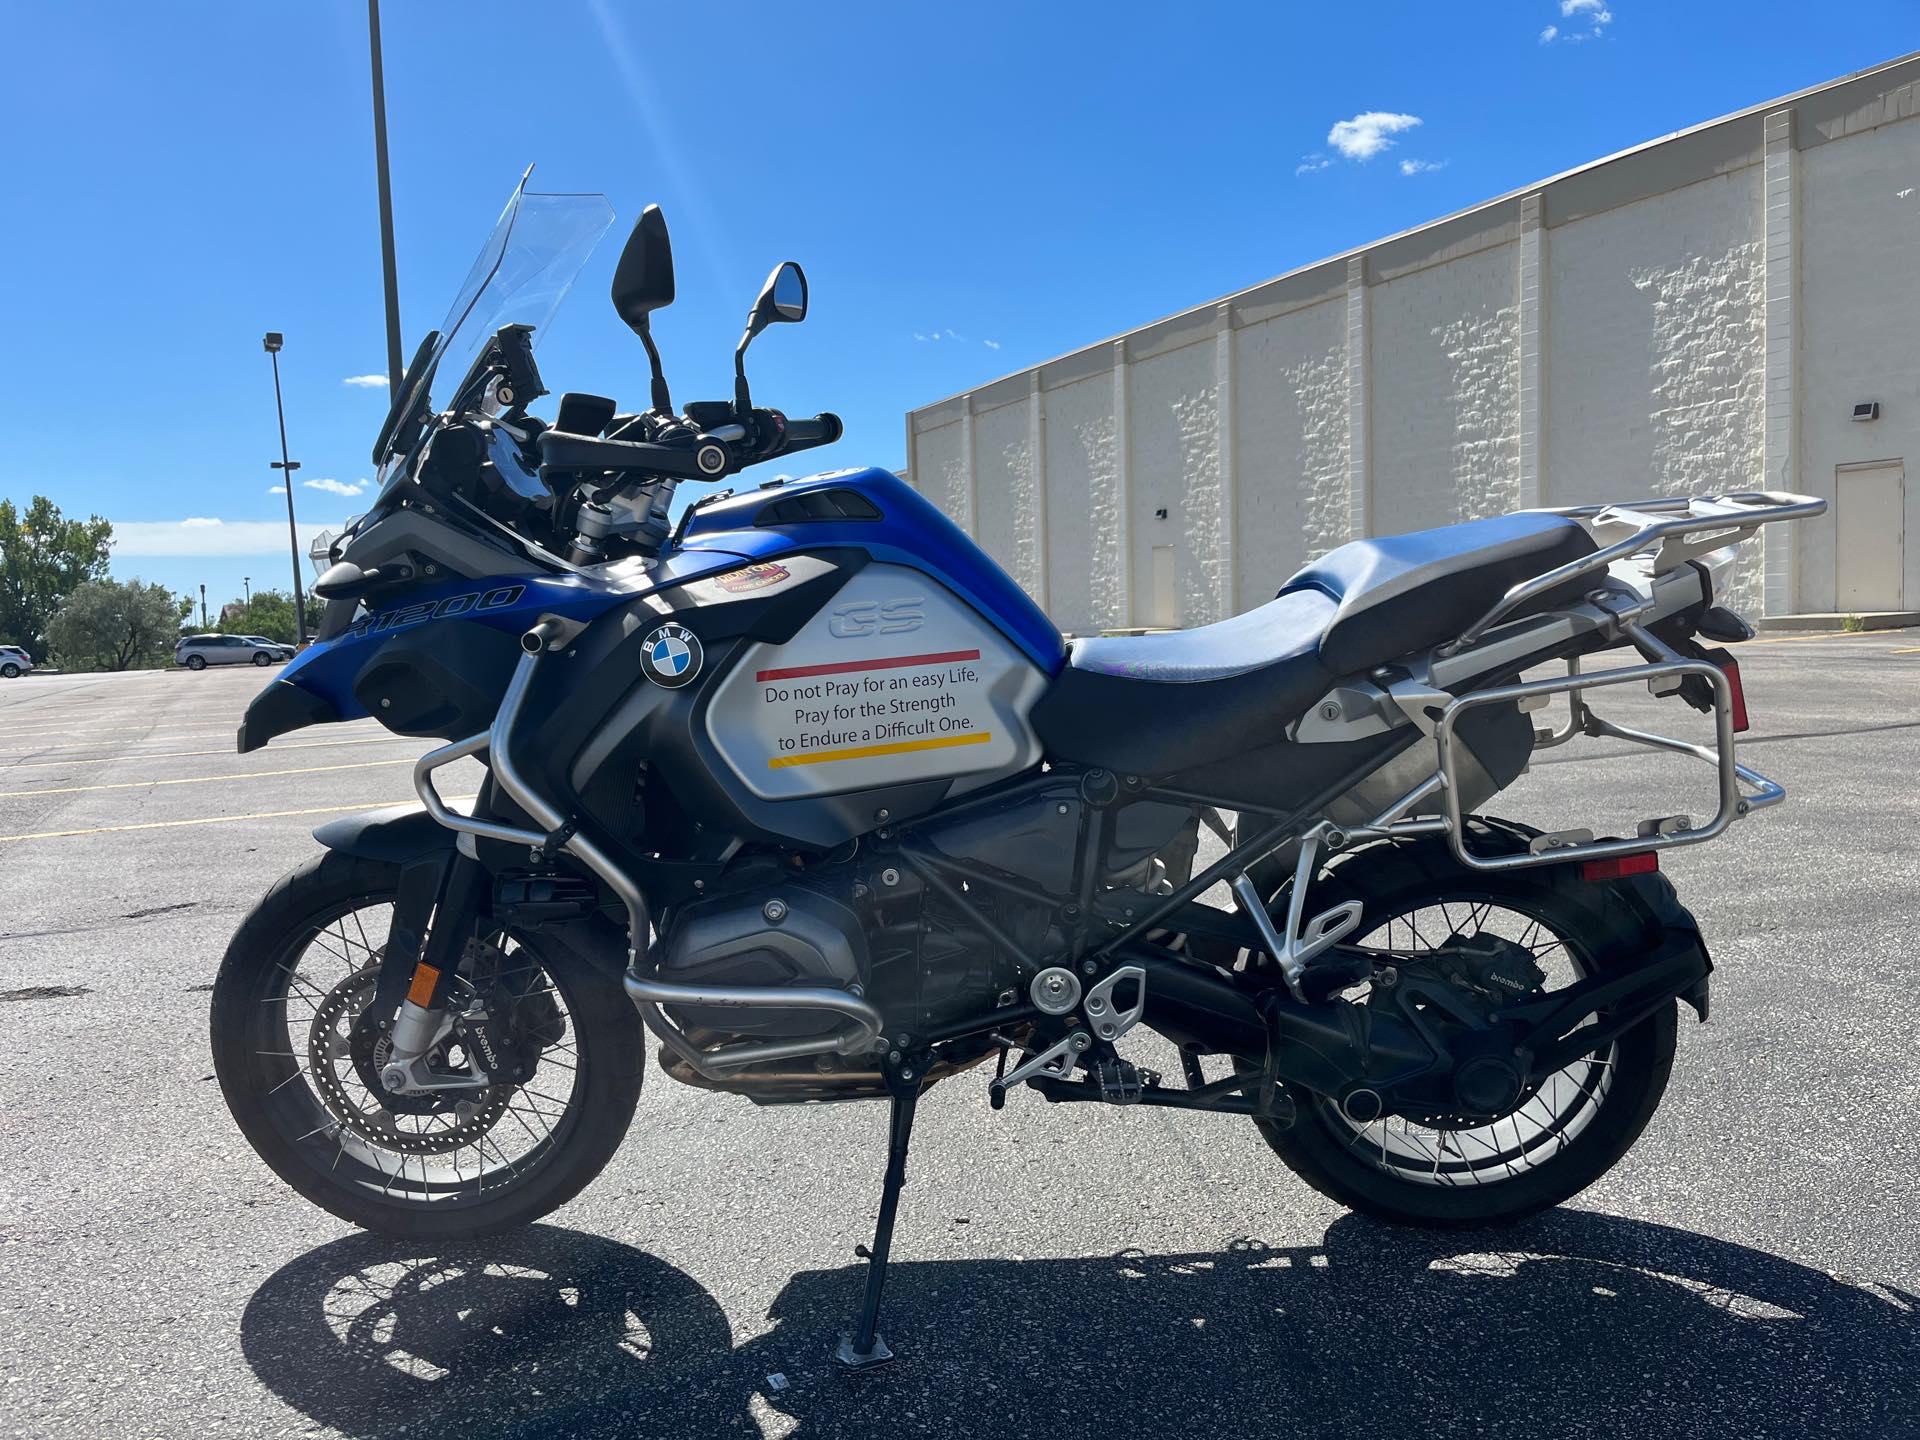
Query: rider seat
[{"x": 1158, "y": 704}]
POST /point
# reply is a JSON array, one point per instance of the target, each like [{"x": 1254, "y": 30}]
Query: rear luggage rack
[{"x": 1685, "y": 527}]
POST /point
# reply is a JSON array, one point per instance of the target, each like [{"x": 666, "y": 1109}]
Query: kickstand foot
[{"x": 863, "y": 1348}]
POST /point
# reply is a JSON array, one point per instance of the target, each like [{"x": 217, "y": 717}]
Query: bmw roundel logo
[{"x": 671, "y": 656}]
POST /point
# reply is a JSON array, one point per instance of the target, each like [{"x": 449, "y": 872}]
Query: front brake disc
[{"x": 339, "y": 1048}]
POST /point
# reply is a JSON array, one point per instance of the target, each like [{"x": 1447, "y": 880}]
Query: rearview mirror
[
  {"x": 783, "y": 300},
  {"x": 643, "y": 280},
  {"x": 642, "y": 284}
]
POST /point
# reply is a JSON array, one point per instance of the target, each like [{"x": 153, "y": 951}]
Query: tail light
[{"x": 1618, "y": 867}]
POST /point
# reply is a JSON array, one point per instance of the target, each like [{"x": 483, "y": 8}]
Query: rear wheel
[
  {"x": 1565, "y": 1132},
  {"x": 196, "y": 662},
  {"x": 303, "y": 1079},
  {"x": 10, "y": 670}
]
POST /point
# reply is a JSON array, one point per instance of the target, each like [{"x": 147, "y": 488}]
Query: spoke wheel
[
  {"x": 1561, "y": 1134},
  {"x": 1550, "y": 1116},
  {"x": 300, "y": 1059}
]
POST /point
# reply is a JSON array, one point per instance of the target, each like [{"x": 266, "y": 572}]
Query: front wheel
[
  {"x": 303, "y": 1078},
  {"x": 263, "y": 658},
  {"x": 1565, "y": 1132}
]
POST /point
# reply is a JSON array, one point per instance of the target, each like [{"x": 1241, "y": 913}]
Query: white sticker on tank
[{"x": 895, "y": 681}]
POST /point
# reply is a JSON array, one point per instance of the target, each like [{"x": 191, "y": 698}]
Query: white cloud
[
  {"x": 991, "y": 344},
  {"x": 1594, "y": 13},
  {"x": 276, "y": 489},
  {"x": 336, "y": 487},
  {"x": 205, "y": 535},
  {"x": 366, "y": 382},
  {"x": 1421, "y": 167},
  {"x": 943, "y": 335},
  {"x": 1368, "y": 133},
  {"x": 1310, "y": 163}
]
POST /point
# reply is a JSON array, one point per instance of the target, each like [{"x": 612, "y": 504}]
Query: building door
[
  {"x": 1871, "y": 505},
  {"x": 1166, "y": 602}
]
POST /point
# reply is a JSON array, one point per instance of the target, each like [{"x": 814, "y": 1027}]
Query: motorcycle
[{"x": 800, "y": 781}]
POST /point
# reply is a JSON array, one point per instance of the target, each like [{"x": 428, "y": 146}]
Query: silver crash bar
[{"x": 647, "y": 992}]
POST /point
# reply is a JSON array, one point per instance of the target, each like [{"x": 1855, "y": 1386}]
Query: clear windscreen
[{"x": 536, "y": 250}]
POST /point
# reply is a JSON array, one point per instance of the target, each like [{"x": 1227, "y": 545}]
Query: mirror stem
[
  {"x": 662, "y": 400},
  {"x": 742, "y": 398}
]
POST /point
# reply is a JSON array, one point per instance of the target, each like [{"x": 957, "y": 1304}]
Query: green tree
[
  {"x": 115, "y": 625},
  {"x": 271, "y": 615},
  {"x": 44, "y": 557}
]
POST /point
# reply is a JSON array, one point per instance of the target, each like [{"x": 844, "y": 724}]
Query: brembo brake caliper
[{"x": 1056, "y": 991}]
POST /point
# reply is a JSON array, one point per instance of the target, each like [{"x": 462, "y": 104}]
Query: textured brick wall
[
  {"x": 1656, "y": 352},
  {"x": 940, "y": 472},
  {"x": 1008, "y": 491},
  {"x": 1290, "y": 445},
  {"x": 1446, "y": 393},
  {"x": 1174, "y": 412},
  {"x": 1086, "y": 575}
]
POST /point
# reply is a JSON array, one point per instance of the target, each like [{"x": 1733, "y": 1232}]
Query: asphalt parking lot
[{"x": 1753, "y": 1267}]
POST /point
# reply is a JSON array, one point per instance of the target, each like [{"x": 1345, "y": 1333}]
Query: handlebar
[
  {"x": 702, "y": 457},
  {"x": 822, "y": 429}
]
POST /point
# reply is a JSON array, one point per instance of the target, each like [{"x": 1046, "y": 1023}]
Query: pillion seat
[{"x": 1157, "y": 704}]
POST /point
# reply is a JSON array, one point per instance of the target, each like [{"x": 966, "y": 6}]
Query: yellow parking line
[
  {"x": 197, "y": 779},
  {"x": 190, "y": 754},
  {"x": 218, "y": 820},
  {"x": 1906, "y": 650}
]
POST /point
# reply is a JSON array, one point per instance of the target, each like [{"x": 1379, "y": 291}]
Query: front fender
[{"x": 399, "y": 835}]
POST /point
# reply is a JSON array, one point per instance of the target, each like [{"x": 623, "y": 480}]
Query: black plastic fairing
[{"x": 281, "y": 707}]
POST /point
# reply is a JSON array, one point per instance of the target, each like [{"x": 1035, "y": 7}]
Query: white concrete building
[{"x": 1707, "y": 312}]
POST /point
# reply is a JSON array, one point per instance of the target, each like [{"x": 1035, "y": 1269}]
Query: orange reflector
[
  {"x": 1618, "y": 867},
  {"x": 1736, "y": 694},
  {"x": 425, "y": 978}
]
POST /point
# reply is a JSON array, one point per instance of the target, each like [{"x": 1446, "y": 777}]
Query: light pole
[
  {"x": 286, "y": 467},
  {"x": 203, "y": 607},
  {"x": 246, "y": 584},
  {"x": 386, "y": 202}
]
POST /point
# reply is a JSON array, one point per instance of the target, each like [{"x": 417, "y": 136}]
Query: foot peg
[{"x": 1121, "y": 1082}]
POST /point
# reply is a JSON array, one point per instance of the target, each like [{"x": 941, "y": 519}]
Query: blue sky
[{"x": 971, "y": 188}]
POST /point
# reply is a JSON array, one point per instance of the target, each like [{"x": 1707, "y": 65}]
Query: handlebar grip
[
  {"x": 563, "y": 452},
  {"x": 822, "y": 429}
]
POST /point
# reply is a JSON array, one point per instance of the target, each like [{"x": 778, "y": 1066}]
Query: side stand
[{"x": 864, "y": 1347}]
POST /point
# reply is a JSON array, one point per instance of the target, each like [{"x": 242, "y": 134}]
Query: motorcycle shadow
[{"x": 1572, "y": 1323}]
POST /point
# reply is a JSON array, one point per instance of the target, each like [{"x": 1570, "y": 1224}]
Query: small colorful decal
[
  {"x": 671, "y": 656},
  {"x": 752, "y": 577}
]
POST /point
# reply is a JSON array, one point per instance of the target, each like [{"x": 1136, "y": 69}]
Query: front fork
[{"x": 437, "y": 912}]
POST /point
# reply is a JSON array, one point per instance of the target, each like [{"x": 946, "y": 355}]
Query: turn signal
[{"x": 1618, "y": 867}]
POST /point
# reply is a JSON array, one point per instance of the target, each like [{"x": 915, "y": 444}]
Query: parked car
[
  {"x": 14, "y": 662},
  {"x": 279, "y": 647},
  {"x": 196, "y": 652}
]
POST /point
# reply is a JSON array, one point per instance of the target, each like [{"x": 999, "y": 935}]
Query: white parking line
[
  {"x": 190, "y": 754},
  {"x": 206, "y": 820},
  {"x": 196, "y": 779}
]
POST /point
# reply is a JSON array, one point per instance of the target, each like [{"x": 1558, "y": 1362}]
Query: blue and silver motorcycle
[{"x": 798, "y": 780}]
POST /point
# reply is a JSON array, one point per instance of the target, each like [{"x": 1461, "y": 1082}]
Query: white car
[
  {"x": 196, "y": 652},
  {"x": 14, "y": 662}
]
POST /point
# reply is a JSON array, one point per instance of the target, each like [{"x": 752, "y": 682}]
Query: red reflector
[
  {"x": 1618, "y": 867},
  {"x": 1736, "y": 694}
]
